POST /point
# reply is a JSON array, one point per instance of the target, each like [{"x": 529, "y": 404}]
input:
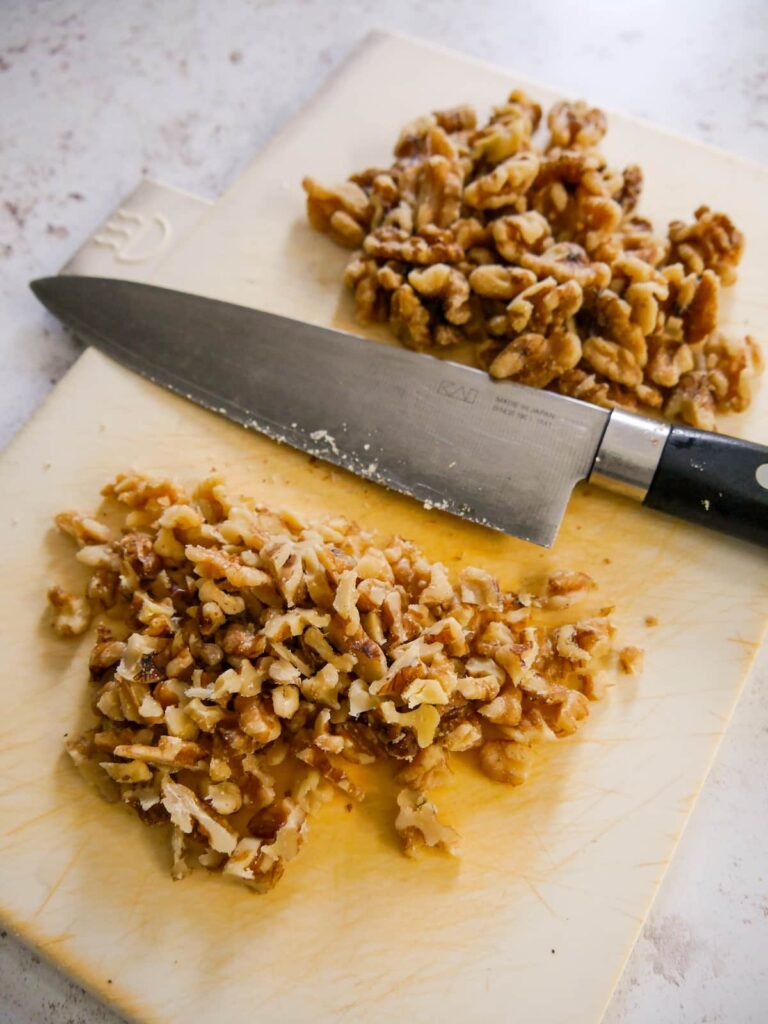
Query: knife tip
[
  {"x": 48, "y": 291},
  {"x": 39, "y": 287}
]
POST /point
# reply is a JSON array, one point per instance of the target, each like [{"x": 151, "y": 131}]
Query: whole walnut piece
[
  {"x": 574, "y": 124},
  {"x": 522, "y": 240},
  {"x": 447, "y": 284},
  {"x": 343, "y": 212},
  {"x": 505, "y": 185},
  {"x": 712, "y": 242},
  {"x": 544, "y": 304},
  {"x": 536, "y": 359}
]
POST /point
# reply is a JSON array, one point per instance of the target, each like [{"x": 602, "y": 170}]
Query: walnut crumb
[
  {"x": 71, "y": 615},
  {"x": 631, "y": 660}
]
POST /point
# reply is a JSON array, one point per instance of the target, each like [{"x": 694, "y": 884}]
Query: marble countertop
[{"x": 95, "y": 95}]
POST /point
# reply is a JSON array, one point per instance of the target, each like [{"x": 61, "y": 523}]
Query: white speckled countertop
[{"x": 96, "y": 93}]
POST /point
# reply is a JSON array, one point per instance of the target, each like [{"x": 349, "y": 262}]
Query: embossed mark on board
[
  {"x": 134, "y": 237},
  {"x": 458, "y": 392}
]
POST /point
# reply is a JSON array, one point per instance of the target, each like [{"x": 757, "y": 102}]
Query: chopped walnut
[
  {"x": 505, "y": 185},
  {"x": 438, "y": 193},
  {"x": 575, "y": 124},
  {"x": 693, "y": 401},
  {"x": 430, "y": 246},
  {"x": 464, "y": 736},
  {"x": 343, "y": 211},
  {"x": 428, "y": 769},
  {"x": 519, "y": 235},
  {"x": 565, "y": 587},
  {"x": 450, "y": 286},
  {"x": 410, "y": 318},
  {"x": 668, "y": 363},
  {"x": 127, "y": 772},
  {"x": 267, "y": 641},
  {"x": 419, "y": 825},
  {"x": 631, "y": 660},
  {"x": 85, "y": 529},
  {"x": 615, "y": 320},
  {"x": 480, "y": 589},
  {"x": 494, "y": 281},
  {"x": 731, "y": 366},
  {"x": 631, "y": 188},
  {"x": 532, "y": 251},
  {"x": 699, "y": 311},
  {"x": 543, "y": 305},
  {"x": 505, "y": 709},
  {"x": 567, "y": 261},
  {"x": 506, "y": 761},
  {"x": 612, "y": 361},
  {"x": 712, "y": 242},
  {"x": 579, "y": 196},
  {"x": 71, "y": 615},
  {"x": 590, "y": 387},
  {"x": 170, "y": 752},
  {"x": 536, "y": 359},
  {"x": 456, "y": 119},
  {"x": 187, "y": 812},
  {"x": 508, "y": 130},
  {"x": 364, "y": 277}
]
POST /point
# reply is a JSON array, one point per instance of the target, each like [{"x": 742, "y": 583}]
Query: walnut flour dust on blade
[{"x": 571, "y": 860}]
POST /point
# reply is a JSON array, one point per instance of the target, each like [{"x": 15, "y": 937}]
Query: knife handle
[
  {"x": 715, "y": 481},
  {"x": 710, "y": 479}
]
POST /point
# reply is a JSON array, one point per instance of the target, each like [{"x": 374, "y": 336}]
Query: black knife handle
[{"x": 715, "y": 481}]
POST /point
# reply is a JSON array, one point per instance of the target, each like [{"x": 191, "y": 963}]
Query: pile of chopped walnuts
[
  {"x": 534, "y": 253},
  {"x": 245, "y": 662}
]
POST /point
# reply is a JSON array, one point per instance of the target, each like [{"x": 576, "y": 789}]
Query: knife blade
[{"x": 494, "y": 452}]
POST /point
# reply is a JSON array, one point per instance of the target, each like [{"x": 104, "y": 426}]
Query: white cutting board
[{"x": 537, "y": 919}]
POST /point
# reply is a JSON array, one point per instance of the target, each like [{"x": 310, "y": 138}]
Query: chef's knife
[{"x": 494, "y": 452}]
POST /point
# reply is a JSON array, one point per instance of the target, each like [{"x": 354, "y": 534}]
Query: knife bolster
[{"x": 629, "y": 454}]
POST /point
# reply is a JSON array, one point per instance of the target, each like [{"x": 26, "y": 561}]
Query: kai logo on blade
[{"x": 457, "y": 391}]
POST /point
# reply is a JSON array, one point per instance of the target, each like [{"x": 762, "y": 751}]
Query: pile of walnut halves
[
  {"x": 247, "y": 663},
  {"x": 533, "y": 253}
]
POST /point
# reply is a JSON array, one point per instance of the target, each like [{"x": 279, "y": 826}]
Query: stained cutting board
[{"x": 536, "y": 921}]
